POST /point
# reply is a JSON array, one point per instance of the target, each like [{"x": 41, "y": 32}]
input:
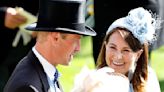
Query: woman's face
[{"x": 119, "y": 55}]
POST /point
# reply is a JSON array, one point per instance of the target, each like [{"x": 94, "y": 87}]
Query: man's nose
[{"x": 78, "y": 47}]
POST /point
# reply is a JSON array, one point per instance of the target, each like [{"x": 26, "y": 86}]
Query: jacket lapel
[
  {"x": 41, "y": 72},
  {"x": 34, "y": 60},
  {"x": 59, "y": 86}
]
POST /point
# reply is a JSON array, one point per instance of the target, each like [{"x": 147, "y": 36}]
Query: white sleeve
[{"x": 152, "y": 83}]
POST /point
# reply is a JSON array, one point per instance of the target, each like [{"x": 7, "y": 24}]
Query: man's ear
[{"x": 55, "y": 36}]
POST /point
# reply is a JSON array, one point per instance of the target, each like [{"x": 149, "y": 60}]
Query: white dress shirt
[{"x": 49, "y": 69}]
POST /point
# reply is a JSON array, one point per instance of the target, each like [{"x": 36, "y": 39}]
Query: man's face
[{"x": 67, "y": 46}]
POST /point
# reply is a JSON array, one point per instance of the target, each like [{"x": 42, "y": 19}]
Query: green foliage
[{"x": 157, "y": 62}]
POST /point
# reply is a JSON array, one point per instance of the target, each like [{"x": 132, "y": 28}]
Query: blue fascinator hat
[{"x": 141, "y": 23}]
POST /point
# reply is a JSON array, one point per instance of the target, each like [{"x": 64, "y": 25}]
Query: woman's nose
[{"x": 118, "y": 55}]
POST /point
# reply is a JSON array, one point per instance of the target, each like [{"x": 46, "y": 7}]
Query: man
[{"x": 60, "y": 26}]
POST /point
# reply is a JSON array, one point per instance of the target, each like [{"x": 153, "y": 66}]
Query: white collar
[{"x": 48, "y": 68}]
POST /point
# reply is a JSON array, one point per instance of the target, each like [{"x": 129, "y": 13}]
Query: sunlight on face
[
  {"x": 69, "y": 45},
  {"x": 119, "y": 55}
]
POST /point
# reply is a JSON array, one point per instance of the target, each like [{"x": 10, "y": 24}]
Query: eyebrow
[
  {"x": 112, "y": 44},
  {"x": 116, "y": 46}
]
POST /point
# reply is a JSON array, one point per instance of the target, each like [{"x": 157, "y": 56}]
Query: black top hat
[{"x": 62, "y": 16}]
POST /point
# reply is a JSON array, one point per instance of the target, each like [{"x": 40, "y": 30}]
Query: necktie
[{"x": 56, "y": 76}]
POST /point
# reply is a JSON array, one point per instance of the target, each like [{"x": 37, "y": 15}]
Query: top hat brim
[{"x": 84, "y": 31}]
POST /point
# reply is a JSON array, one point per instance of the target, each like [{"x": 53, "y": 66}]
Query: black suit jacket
[{"x": 28, "y": 76}]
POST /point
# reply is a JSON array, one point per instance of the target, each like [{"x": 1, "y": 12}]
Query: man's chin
[{"x": 67, "y": 63}]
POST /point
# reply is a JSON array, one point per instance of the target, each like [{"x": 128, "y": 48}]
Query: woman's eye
[
  {"x": 112, "y": 47},
  {"x": 127, "y": 50}
]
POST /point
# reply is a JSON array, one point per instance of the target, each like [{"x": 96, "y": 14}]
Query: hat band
[{"x": 79, "y": 26}]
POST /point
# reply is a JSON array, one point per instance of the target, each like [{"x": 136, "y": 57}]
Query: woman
[{"x": 125, "y": 49}]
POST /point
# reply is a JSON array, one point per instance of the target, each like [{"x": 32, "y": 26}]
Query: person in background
[
  {"x": 10, "y": 21},
  {"x": 60, "y": 26},
  {"x": 125, "y": 49}
]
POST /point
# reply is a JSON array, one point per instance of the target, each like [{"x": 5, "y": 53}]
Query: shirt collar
[{"x": 48, "y": 68}]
